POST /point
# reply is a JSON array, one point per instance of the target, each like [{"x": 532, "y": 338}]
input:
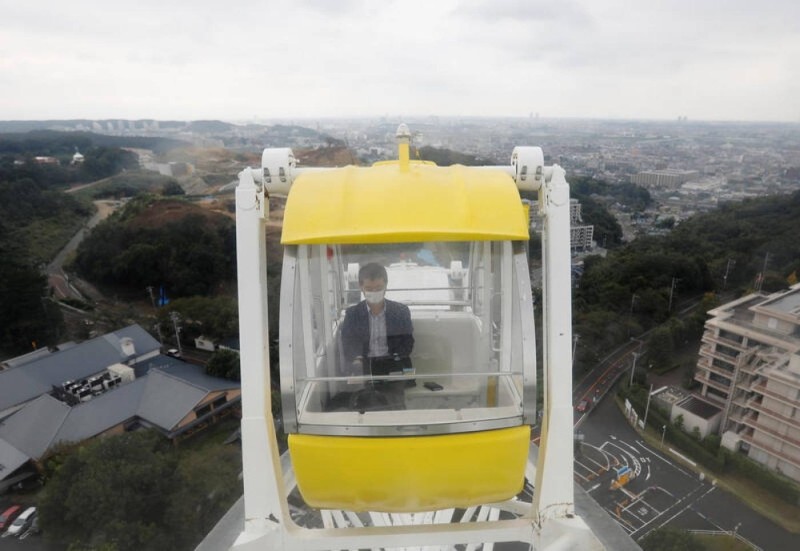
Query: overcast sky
[{"x": 246, "y": 59}]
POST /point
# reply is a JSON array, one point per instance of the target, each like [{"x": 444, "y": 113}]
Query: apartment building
[
  {"x": 749, "y": 366},
  {"x": 666, "y": 179},
  {"x": 581, "y": 235}
]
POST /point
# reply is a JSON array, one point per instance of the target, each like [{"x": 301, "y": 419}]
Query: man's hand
[{"x": 355, "y": 369}]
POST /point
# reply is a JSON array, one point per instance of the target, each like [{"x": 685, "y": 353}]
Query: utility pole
[
  {"x": 153, "y": 302},
  {"x": 731, "y": 263},
  {"x": 575, "y": 338},
  {"x": 671, "y": 291},
  {"x": 633, "y": 368},
  {"x": 175, "y": 317},
  {"x": 647, "y": 407},
  {"x": 630, "y": 315},
  {"x": 763, "y": 273}
]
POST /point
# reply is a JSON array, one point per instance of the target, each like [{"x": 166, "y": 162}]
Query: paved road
[
  {"x": 56, "y": 276},
  {"x": 663, "y": 492},
  {"x": 31, "y": 543}
]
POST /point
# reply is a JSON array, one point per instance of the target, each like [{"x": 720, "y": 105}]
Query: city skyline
[{"x": 270, "y": 59}]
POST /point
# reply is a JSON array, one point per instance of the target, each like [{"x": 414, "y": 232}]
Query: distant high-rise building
[
  {"x": 581, "y": 235},
  {"x": 668, "y": 178},
  {"x": 749, "y": 366}
]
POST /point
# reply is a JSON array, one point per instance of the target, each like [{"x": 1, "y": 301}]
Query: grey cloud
[
  {"x": 338, "y": 8},
  {"x": 525, "y": 11}
]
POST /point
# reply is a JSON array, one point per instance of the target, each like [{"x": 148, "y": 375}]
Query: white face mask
[{"x": 374, "y": 297}]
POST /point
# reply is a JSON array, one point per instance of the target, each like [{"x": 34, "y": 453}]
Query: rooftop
[
  {"x": 168, "y": 391},
  {"x": 699, "y": 407},
  {"x": 785, "y": 303},
  {"x": 32, "y": 379},
  {"x": 671, "y": 395}
]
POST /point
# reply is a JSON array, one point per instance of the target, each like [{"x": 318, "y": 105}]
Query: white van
[{"x": 23, "y": 522}]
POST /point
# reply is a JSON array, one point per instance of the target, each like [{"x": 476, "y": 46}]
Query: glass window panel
[{"x": 444, "y": 338}]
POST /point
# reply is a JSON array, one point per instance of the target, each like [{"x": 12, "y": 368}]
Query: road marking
[
  {"x": 684, "y": 498},
  {"x": 606, "y": 455},
  {"x": 689, "y": 461},
  {"x": 648, "y": 505},
  {"x": 593, "y": 488},
  {"x": 631, "y": 447},
  {"x": 665, "y": 460},
  {"x": 599, "y": 466},
  {"x": 636, "y": 465}
]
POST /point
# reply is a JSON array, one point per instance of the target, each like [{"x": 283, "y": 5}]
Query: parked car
[
  {"x": 583, "y": 406},
  {"x": 8, "y": 516},
  {"x": 35, "y": 526},
  {"x": 23, "y": 522}
]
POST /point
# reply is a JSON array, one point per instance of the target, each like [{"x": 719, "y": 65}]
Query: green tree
[
  {"x": 135, "y": 491},
  {"x": 224, "y": 363},
  {"x": 102, "y": 162},
  {"x": 112, "y": 492},
  {"x": 172, "y": 188},
  {"x": 27, "y": 319},
  {"x": 214, "y": 317},
  {"x": 209, "y": 485},
  {"x": 191, "y": 254},
  {"x": 660, "y": 347}
]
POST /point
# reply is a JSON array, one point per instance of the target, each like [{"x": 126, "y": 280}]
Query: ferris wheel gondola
[{"x": 428, "y": 413}]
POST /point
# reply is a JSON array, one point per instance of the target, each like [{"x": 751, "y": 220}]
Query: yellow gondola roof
[{"x": 385, "y": 203}]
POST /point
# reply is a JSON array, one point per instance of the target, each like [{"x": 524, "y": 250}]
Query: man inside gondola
[{"x": 377, "y": 339}]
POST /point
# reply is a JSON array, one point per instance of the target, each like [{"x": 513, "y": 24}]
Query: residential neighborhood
[{"x": 108, "y": 385}]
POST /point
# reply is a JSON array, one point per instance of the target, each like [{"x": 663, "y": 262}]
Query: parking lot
[
  {"x": 622, "y": 475},
  {"x": 660, "y": 490},
  {"x": 26, "y": 541}
]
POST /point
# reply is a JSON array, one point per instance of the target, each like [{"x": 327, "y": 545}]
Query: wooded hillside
[{"x": 166, "y": 243}]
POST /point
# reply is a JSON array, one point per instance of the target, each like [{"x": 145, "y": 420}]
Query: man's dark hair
[{"x": 373, "y": 270}]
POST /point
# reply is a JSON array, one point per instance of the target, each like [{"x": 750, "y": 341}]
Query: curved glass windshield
[{"x": 433, "y": 333}]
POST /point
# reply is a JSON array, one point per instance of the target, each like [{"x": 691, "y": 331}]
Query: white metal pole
[
  {"x": 554, "y": 495},
  {"x": 671, "y": 291},
  {"x": 264, "y": 513},
  {"x": 633, "y": 368},
  {"x": 174, "y": 317},
  {"x": 647, "y": 407}
]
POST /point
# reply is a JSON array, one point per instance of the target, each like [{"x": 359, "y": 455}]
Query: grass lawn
[
  {"x": 212, "y": 437},
  {"x": 721, "y": 543},
  {"x": 45, "y": 237}
]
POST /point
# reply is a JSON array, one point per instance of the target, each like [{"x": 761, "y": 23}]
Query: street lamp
[{"x": 663, "y": 433}]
